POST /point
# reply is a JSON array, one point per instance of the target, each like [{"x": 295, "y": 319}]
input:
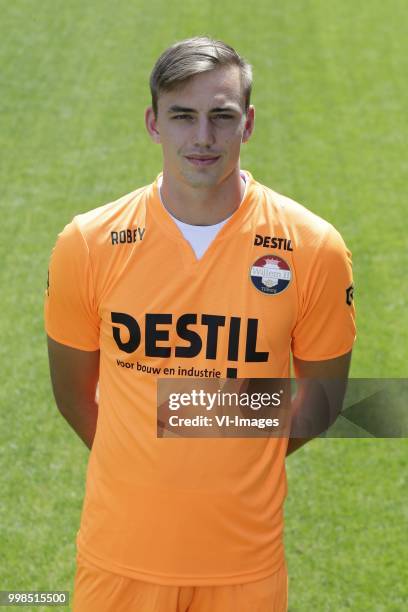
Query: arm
[
  {"x": 74, "y": 377},
  {"x": 332, "y": 375}
]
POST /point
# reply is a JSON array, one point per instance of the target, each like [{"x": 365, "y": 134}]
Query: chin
[
  {"x": 198, "y": 182},
  {"x": 201, "y": 179}
]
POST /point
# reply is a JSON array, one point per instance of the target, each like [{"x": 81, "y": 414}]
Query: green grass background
[{"x": 330, "y": 93}]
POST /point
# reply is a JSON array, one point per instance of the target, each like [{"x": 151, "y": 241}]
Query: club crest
[{"x": 270, "y": 274}]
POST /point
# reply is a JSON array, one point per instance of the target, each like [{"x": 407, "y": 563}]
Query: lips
[
  {"x": 199, "y": 160},
  {"x": 202, "y": 156}
]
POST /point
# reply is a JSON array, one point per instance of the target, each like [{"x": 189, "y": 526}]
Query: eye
[
  {"x": 223, "y": 116},
  {"x": 182, "y": 117}
]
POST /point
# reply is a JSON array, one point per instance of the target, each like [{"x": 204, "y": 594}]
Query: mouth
[{"x": 197, "y": 160}]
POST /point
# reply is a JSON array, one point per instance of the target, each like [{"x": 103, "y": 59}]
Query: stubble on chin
[
  {"x": 205, "y": 177},
  {"x": 198, "y": 180}
]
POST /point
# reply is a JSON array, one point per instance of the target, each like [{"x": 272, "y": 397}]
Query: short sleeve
[
  {"x": 325, "y": 327},
  {"x": 70, "y": 310}
]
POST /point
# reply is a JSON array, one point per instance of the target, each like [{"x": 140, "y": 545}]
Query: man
[{"x": 206, "y": 269}]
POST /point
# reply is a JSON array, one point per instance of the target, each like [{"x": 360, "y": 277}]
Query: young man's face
[{"x": 201, "y": 127}]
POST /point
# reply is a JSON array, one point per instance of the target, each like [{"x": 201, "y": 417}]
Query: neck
[{"x": 204, "y": 205}]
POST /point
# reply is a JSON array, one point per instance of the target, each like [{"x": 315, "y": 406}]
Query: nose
[{"x": 204, "y": 135}]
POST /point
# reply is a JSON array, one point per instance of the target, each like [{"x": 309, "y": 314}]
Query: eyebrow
[{"x": 182, "y": 109}]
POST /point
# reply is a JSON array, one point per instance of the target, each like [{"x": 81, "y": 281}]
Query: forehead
[{"x": 214, "y": 88}]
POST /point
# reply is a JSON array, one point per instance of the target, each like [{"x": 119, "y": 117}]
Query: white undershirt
[{"x": 200, "y": 236}]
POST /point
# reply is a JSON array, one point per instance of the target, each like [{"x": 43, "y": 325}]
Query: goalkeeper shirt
[{"x": 123, "y": 280}]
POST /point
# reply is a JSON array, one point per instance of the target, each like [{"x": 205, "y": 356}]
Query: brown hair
[{"x": 189, "y": 57}]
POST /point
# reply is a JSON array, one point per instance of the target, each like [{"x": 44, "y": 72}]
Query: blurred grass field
[{"x": 330, "y": 93}]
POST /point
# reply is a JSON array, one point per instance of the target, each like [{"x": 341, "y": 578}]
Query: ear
[
  {"x": 249, "y": 123},
  {"x": 151, "y": 125}
]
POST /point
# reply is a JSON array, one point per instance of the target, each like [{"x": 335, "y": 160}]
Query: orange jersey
[{"x": 122, "y": 279}]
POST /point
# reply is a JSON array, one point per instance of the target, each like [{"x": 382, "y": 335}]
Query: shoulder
[
  {"x": 97, "y": 224},
  {"x": 90, "y": 235},
  {"x": 99, "y": 242},
  {"x": 306, "y": 229}
]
